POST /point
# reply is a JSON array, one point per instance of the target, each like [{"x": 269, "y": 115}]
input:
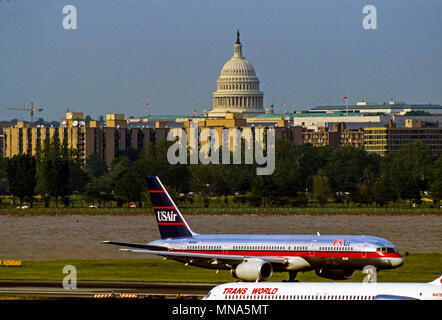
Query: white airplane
[
  {"x": 255, "y": 257},
  {"x": 327, "y": 291}
]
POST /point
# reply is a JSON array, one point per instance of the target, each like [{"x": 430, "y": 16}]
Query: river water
[{"x": 47, "y": 237}]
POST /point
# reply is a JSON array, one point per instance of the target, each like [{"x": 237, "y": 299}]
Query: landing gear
[{"x": 292, "y": 276}]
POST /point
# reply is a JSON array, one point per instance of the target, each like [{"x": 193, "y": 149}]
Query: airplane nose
[{"x": 397, "y": 262}]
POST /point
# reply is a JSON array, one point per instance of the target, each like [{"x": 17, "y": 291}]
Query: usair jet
[{"x": 256, "y": 257}]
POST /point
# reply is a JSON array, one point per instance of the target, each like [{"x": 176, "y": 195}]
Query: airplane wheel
[{"x": 292, "y": 276}]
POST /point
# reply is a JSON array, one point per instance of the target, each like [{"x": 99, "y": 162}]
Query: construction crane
[{"x": 33, "y": 108}]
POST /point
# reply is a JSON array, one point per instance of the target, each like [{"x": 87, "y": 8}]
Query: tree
[
  {"x": 208, "y": 179},
  {"x": 436, "y": 191},
  {"x": 263, "y": 188},
  {"x": 153, "y": 162},
  {"x": 436, "y": 183},
  {"x": 91, "y": 192},
  {"x": 130, "y": 187},
  {"x": 95, "y": 166},
  {"x": 409, "y": 169},
  {"x": 322, "y": 188},
  {"x": 383, "y": 192},
  {"x": 100, "y": 189},
  {"x": 21, "y": 173},
  {"x": 78, "y": 178},
  {"x": 4, "y": 184},
  {"x": 362, "y": 194},
  {"x": 53, "y": 170},
  {"x": 286, "y": 180},
  {"x": 349, "y": 167},
  {"x": 231, "y": 178}
]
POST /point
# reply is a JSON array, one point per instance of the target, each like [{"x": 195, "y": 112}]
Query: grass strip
[{"x": 418, "y": 267}]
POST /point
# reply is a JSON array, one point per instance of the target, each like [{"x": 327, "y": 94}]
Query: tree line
[{"x": 302, "y": 173}]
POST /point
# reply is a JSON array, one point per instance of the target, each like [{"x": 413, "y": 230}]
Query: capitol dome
[
  {"x": 238, "y": 66},
  {"x": 237, "y": 87}
]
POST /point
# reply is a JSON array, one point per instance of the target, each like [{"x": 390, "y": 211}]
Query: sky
[{"x": 169, "y": 53}]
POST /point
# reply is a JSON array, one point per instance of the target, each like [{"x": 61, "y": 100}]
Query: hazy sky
[{"x": 170, "y": 53}]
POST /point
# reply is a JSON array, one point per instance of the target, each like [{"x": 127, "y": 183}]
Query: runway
[{"x": 22, "y": 289}]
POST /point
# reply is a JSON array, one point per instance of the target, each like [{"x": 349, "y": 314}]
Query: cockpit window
[{"x": 386, "y": 249}]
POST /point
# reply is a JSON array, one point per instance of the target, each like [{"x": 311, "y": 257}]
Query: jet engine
[
  {"x": 335, "y": 274},
  {"x": 252, "y": 270}
]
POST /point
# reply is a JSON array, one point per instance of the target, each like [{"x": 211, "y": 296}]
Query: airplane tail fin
[
  {"x": 171, "y": 222},
  {"x": 437, "y": 282}
]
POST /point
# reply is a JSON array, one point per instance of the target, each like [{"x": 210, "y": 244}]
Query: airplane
[
  {"x": 327, "y": 291},
  {"x": 256, "y": 257}
]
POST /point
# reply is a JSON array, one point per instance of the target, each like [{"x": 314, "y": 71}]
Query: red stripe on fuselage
[
  {"x": 164, "y": 207},
  {"x": 156, "y": 191},
  {"x": 308, "y": 254}
]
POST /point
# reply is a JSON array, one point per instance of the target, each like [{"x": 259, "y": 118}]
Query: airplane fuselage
[
  {"x": 325, "y": 291},
  {"x": 319, "y": 251}
]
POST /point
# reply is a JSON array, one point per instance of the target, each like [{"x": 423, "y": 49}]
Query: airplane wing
[
  {"x": 212, "y": 259},
  {"x": 135, "y": 245}
]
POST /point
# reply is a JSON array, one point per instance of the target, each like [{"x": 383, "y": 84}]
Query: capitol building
[
  {"x": 238, "y": 103},
  {"x": 237, "y": 88}
]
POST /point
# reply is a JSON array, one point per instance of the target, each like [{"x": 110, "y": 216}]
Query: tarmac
[{"x": 25, "y": 289}]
